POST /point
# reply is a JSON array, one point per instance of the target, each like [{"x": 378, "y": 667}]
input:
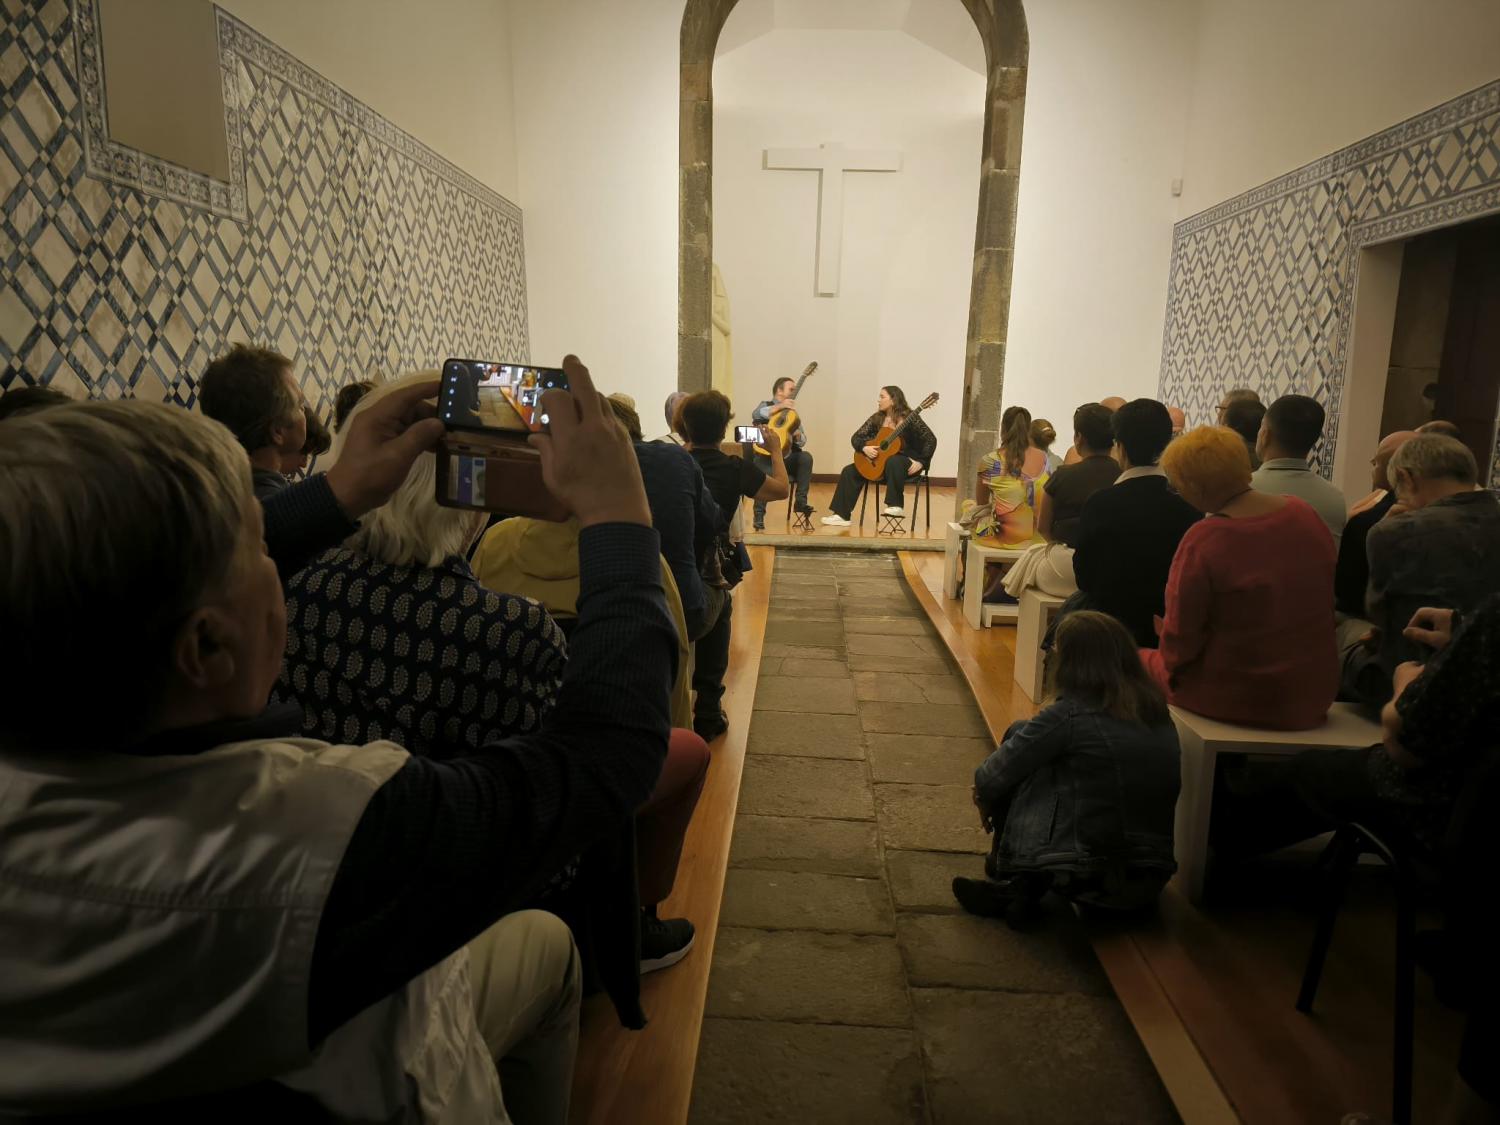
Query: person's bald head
[
  {"x": 1179, "y": 420},
  {"x": 1382, "y": 459},
  {"x": 1112, "y": 403}
]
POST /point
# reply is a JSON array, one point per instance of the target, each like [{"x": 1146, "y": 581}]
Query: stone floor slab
[
  {"x": 804, "y": 611},
  {"x": 929, "y": 818},
  {"x": 807, "y": 652},
  {"x": 871, "y": 586},
  {"x": 794, "y": 666},
  {"x": 956, "y": 720},
  {"x": 805, "y": 736},
  {"x": 808, "y": 977},
  {"x": 795, "y": 843},
  {"x": 962, "y": 951},
  {"x": 819, "y": 695},
  {"x": 877, "y": 644},
  {"x": 759, "y": 1072},
  {"x": 913, "y": 662},
  {"x": 805, "y": 632},
  {"x": 787, "y": 579},
  {"x": 902, "y": 626},
  {"x": 867, "y": 606},
  {"x": 925, "y": 760},
  {"x": 787, "y": 786},
  {"x": 996, "y": 1057},
  {"x": 904, "y": 687},
  {"x": 794, "y": 900},
  {"x": 924, "y": 880}
]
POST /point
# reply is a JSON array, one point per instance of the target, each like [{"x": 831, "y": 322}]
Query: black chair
[
  {"x": 1465, "y": 863},
  {"x": 893, "y": 525},
  {"x": 795, "y": 520}
]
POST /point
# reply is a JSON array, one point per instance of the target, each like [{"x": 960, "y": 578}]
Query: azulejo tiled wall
[
  {"x": 1262, "y": 285},
  {"x": 339, "y": 240}
]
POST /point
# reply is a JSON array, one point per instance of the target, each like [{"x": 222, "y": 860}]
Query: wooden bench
[
  {"x": 977, "y": 612},
  {"x": 1036, "y": 613},
  {"x": 1204, "y": 739}
]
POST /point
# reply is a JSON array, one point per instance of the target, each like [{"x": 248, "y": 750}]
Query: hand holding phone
[{"x": 748, "y": 435}]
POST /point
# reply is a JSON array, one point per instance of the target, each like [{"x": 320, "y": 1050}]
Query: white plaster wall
[
  {"x": 1106, "y": 110},
  {"x": 908, "y": 237},
  {"x": 440, "y": 69},
  {"x": 1279, "y": 83},
  {"x": 596, "y": 91}
]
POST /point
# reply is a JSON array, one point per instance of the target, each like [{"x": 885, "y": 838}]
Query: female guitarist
[{"x": 917, "y": 447}]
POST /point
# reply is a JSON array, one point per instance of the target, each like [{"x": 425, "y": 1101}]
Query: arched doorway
[{"x": 1002, "y": 28}]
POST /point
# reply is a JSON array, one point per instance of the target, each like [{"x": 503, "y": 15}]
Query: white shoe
[
  {"x": 890, "y": 511},
  {"x": 835, "y": 521}
]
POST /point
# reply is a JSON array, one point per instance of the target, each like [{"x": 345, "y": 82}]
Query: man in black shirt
[{"x": 705, "y": 419}]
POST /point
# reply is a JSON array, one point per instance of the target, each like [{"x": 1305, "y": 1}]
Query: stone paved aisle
[{"x": 846, "y": 985}]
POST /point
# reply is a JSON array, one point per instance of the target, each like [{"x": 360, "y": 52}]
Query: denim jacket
[{"x": 1076, "y": 789}]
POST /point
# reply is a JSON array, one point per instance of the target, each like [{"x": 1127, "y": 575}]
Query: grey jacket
[
  {"x": 1446, "y": 554},
  {"x": 1077, "y": 789}
]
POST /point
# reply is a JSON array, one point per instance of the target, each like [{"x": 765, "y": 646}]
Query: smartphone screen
[
  {"x": 749, "y": 434},
  {"x": 477, "y": 394}
]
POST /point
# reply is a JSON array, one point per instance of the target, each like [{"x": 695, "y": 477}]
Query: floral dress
[{"x": 1009, "y": 519}]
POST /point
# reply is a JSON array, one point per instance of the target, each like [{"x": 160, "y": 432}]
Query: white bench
[
  {"x": 955, "y": 538},
  {"x": 1203, "y": 740},
  {"x": 1036, "y": 613},
  {"x": 977, "y": 612}
]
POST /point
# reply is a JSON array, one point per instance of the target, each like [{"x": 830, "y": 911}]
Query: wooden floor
[
  {"x": 648, "y": 1075},
  {"x": 820, "y": 495},
  {"x": 1210, "y": 990}
]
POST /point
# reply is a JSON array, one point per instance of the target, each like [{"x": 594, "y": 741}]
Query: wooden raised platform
[
  {"x": 1211, "y": 990},
  {"x": 624, "y": 1076}
]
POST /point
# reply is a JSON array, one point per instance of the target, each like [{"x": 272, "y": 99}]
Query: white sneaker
[
  {"x": 890, "y": 511},
  {"x": 835, "y": 521}
]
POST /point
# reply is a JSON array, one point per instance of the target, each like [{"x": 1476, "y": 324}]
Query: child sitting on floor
[{"x": 1081, "y": 798}]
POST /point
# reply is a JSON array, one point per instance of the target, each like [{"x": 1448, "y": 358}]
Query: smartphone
[
  {"x": 490, "y": 397},
  {"x": 749, "y": 434},
  {"x": 494, "y": 472}
]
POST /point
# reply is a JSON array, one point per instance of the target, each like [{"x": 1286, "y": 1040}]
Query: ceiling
[{"x": 944, "y": 25}]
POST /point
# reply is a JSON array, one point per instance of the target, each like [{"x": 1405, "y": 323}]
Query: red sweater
[{"x": 1248, "y": 635}]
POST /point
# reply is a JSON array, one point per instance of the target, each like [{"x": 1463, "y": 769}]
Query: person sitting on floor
[
  {"x": 255, "y": 394},
  {"x": 1129, "y": 532},
  {"x": 1081, "y": 798},
  {"x": 1003, "y": 512},
  {"x": 918, "y": 447},
  {"x": 1248, "y": 632},
  {"x": 1244, "y": 416},
  {"x": 1443, "y": 550},
  {"x": 704, "y": 419},
  {"x": 1043, "y": 435},
  {"x": 329, "y": 900},
  {"x": 1067, "y": 490},
  {"x": 1292, "y": 426}
]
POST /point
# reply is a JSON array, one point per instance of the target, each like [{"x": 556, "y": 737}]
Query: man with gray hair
[
  {"x": 1442, "y": 551},
  {"x": 329, "y": 901}
]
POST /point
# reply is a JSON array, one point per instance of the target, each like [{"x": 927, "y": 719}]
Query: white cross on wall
[{"x": 830, "y": 161}]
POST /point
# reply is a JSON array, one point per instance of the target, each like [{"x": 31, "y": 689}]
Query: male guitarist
[
  {"x": 799, "y": 461},
  {"x": 918, "y": 444}
]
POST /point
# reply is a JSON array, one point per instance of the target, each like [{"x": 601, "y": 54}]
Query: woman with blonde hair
[{"x": 1248, "y": 634}]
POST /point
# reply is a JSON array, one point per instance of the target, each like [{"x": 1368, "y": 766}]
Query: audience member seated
[
  {"x": 319, "y": 441},
  {"x": 347, "y": 399},
  {"x": 704, "y": 419},
  {"x": 799, "y": 462},
  {"x": 344, "y": 911},
  {"x": 673, "y": 436},
  {"x": 1068, "y": 489},
  {"x": 1179, "y": 420},
  {"x": 1352, "y": 578},
  {"x": 27, "y": 399},
  {"x": 254, "y": 393},
  {"x": 1238, "y": 394},
  {"x": 1443, "y": 550},
  {"x": 1244, "y": 416},
  {"x": 1081, "y": 798},
  {"x": 1043, "y": 434},
  {"x": 1442, "y": 427},
  {"x": 1292, "y": 426},
  {"x": 1248, "y": 632},
  {"x": 1129, "y": 532},
  {"x": 1003, "y": 512}
]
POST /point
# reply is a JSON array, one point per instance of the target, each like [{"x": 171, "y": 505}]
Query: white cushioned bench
[
  {"x": 1036, "y": 612},
  {"x": 977, "y": 612}
]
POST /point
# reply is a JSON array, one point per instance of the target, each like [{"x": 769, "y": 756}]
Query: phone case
[{"x": 494, "y": 473}]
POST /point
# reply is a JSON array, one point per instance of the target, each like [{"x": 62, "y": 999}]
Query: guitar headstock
[
  {"x": 930, "y": 400},
  {"x": 809, "y": 369}
]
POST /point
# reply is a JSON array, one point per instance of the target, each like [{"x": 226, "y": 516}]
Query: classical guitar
[
  {"x": 887, "y": 444},
  {"x": 784, "y": 423}
]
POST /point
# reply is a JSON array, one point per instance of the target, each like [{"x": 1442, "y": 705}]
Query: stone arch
[{"x": 1002, "y": 29}]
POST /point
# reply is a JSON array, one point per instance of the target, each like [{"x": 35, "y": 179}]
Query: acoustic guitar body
[
  {"x": 875, "y": 470},
  {"x": 782, "y": 425}
]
